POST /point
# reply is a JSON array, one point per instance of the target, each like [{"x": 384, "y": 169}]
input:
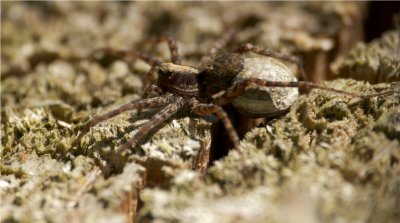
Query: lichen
[{"x": 374, "y": 62}]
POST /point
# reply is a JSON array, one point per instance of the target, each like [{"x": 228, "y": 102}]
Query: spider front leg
[
  {"x": 247, "y": 47},
  {"x": 154, "y": 122},
  {"x": 208, "y": 109},
  {"x": 129, "y": 54},
  {"x": 172, "y": 45},
  {"x": 152, "y": 61},
  {"x": 152, "y": 89},
  {"x": 173, "y": 48},
  {"x": 220, "y": 43},
  {"x": 137, "y": 104}
]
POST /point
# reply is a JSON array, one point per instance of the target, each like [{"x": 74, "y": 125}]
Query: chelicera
[{"x": 222, "y": 79}]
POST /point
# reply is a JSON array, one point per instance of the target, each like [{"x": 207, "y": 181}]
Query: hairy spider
[
  {"x": 203, "y": 91},
  {"x": 177, "y": 86}
]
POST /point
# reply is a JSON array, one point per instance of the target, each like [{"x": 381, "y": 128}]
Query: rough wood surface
[{"x": 329, "y": 159}]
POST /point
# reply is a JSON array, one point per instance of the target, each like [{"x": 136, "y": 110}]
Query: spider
[
  {"x": 184, "y": 87},
  {"x": 177, "y": 86}
]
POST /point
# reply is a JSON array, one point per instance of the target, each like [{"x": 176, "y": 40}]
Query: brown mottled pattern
[
  {"x": 179, "y": 79},
  {"x": 185, "y": 85}
]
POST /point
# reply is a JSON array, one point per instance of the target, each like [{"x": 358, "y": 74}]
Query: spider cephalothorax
[{"x": 178, "y": 79}]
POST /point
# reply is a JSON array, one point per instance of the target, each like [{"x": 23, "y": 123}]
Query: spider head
[{"x": 178, "y": 79}]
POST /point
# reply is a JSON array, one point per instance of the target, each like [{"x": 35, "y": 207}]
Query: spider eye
[
  {"x": 165, "y": 74},
  {"x": 171, "y": 75}
]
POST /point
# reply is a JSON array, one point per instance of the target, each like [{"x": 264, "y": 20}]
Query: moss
[
  {"x": 35, "y": 130},
  {"x": 389, "y": 123},
  {"x": 375, "y": 62}
]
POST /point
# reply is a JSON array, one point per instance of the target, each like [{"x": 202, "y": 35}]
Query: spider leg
[
  {"x": 137, "y": 104},
  {"x": 224, "y": 97},
  {"x": 152, "y": 61},
  {"x": 248, "y": 47},
  {"x": 131, "y": 54},
  {"x": 173, "y": 48},
  {"x": 148, "y": 81},
  {"x": 207, "y": 109},
  {"x": 154, "y": 122},
  {"x": 122, "y": 54},
  {"x": 152, "y": 89},
  {"x": 220, "y": 43}
]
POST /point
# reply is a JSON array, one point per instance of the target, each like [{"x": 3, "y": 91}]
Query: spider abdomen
[{"x": 258, "y": 101}]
